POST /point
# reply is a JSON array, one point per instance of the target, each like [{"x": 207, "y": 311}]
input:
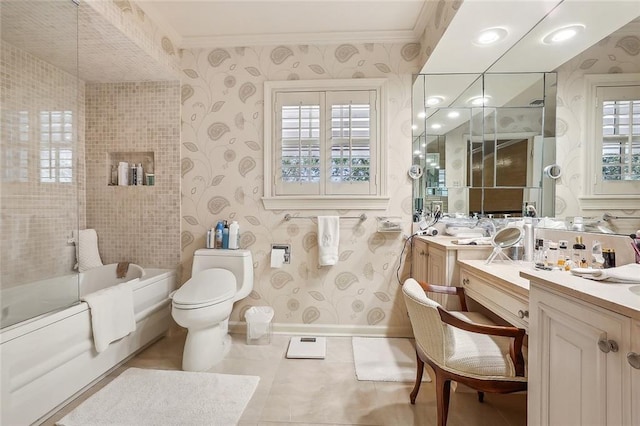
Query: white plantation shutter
[{"x": 618, "y": 139}]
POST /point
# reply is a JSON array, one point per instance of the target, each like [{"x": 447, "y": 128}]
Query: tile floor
[{"x": 323, "y": 392}]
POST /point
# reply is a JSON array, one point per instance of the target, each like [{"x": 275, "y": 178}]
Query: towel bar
[{"x": 288, "y": 217}]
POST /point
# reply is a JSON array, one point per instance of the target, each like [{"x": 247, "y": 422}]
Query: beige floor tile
[{"x": 325, "y": 392}]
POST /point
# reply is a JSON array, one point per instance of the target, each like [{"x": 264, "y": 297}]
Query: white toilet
[{"x": 203, "y": 304}]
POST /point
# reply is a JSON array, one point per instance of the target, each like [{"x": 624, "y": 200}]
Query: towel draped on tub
[{"x": 112, "y": 315}]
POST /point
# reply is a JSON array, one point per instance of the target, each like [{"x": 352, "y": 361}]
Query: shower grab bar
[
  {"x": 288, "y": 217},
  {"x": 608, "y": 216}
]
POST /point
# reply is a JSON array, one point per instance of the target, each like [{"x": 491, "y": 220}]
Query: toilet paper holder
[{"x": 287, "y": 251}]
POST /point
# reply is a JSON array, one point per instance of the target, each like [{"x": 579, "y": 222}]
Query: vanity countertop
[
  {"x": 447, "y": 243},
  {"x": 514, "y": 276},
  {"x": 621, "y": 298}
]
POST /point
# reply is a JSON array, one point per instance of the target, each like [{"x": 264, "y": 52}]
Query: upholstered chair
[{"x": 465, "y": 347}]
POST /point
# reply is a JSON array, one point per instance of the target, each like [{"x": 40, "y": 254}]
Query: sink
[{"x": 635, "y": 289}]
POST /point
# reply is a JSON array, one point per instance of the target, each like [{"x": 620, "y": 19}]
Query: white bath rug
[
  {"x": 163, "y": 397},
  {"x": 384, "y": 359}
]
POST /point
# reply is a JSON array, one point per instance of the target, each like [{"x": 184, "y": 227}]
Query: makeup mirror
[{"x": 503, "y": 239}]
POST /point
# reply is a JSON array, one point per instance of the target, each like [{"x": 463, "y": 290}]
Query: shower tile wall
[
  {"x": 42, "y": 177},
  {"x": 135, "y": 224}
]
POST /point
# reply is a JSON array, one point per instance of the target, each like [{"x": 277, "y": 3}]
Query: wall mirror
[{"x": 483, "y": 141}]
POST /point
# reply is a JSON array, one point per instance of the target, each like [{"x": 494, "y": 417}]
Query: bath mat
[
  {"x": 384, "y": 359},
  {"x": 164, "y": 397}
]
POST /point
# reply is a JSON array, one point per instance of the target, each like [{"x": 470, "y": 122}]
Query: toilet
[{"x": 203, "y": 304}]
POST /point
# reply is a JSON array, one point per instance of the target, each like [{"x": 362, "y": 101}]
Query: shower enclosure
[{"x": 41, "y": 158}]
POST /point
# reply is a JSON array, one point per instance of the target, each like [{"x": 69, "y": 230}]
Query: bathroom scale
[{"x": 307, "y": 347}]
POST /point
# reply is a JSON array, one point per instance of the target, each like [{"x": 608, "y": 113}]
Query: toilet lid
[{"x": 207, "y": 287}]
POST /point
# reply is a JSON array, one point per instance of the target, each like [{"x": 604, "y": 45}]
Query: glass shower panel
[{"x": 40, "y": 157}]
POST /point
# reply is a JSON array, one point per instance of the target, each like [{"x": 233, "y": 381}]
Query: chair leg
[
  {"x": 419, "y": 371},
  {"x": 480, "y": 396},
  {"x": 443, "y": 389}
]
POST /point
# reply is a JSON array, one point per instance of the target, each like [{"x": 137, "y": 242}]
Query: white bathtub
[{"x": 48, "y": 359}]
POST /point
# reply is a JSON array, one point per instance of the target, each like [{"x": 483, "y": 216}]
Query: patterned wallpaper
[
  {"x": 441, "y": 13},
  {"x": 222, "y": 178},
  {"x": 618, "y": 53}
]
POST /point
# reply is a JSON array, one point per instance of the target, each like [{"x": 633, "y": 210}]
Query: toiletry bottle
[
  {"x": 209, "y": 242},
  {"x": 225, "y": 235},
  {"x": 597, "y": 261},
  {"x": 529, "y": 240},
  {"x": 132, "y": 174},
  {"x": 123, "y": 174},
  {"x": 562, "y": 253},
  {"x": 218, "y": 235},
  {"x": 139, "y": 175},
  {"x": 234, "y": 235},
  {"x": 609, "y": 256},
  {"x": 114, "y": 175},
  {"x": 538, "y": 256},
  {"x": 552, "y": 255},
  {"x": 579, "y": 256}
]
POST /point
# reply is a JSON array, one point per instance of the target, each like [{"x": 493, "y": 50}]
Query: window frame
[
  {"x": 377, "y": 200},
  {"x": 594, "y": 196}
]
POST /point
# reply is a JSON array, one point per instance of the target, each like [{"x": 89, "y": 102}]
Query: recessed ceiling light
[
  {"x": 434, "y": 100},
  {"x": 422, "y": 114},
  {"x": 416, "y": 152},
  {"x": 479, "y": 100},
  {"x": 453, "y": 114},
  {"x": 563, "y": 34},
  {"x": 423, "y": 144},
  {"x": 490, "y": 36},
  {"x": 436, "y": 126},
  {"x": 414, "y": 127}
]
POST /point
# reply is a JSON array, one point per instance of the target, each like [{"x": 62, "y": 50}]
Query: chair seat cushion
[{"x": 478, "y": 355}]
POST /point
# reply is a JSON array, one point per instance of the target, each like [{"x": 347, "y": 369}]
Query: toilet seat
[{"x": 207, "y": 288}]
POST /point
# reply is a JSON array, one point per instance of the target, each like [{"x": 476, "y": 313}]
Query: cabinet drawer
[{"x": 509, "y": 306}]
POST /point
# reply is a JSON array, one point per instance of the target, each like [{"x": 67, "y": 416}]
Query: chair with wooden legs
[{"x": 465, "y": 347}]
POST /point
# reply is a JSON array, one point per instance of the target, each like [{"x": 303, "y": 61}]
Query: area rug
[
  {"x": 384, "y": 359},
  {"x": 162, "y": 397}
]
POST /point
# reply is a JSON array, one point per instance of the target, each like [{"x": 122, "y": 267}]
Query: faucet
[{"x": 487, "y": 224}]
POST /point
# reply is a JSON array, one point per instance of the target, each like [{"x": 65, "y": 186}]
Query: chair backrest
[{"x": 429, "y": 331}]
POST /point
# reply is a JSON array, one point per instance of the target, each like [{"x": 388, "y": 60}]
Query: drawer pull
[
  {"x": 634, "y": 360},
  {"x": 465, "y": 281},
  {"x": 607, "y": 346},
  {"x": 523, "y": 314}
]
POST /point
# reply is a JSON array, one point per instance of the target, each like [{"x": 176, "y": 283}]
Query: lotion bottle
[{"x": 234, "y": 235}]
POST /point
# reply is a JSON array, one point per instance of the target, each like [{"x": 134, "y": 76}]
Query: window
[
  {"x": 613, "y": 171},
  {"x": 56, "y": 143},
  {"x": 323, "y": 144}
]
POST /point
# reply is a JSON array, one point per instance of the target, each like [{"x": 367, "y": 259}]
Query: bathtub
[{"x": 47, "y": 360}]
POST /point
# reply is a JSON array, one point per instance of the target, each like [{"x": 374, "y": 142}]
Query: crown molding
[
  {"x": 404, "y": 36},
  {"x": 421, "y": 21},
  {"x": 157, "y": 18}
]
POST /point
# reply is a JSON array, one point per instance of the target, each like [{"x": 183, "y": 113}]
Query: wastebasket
[{"x": 259, "y": 325}]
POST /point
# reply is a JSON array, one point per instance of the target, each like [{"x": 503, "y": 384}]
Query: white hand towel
[
  {"x": 328, "y": 240},
  {"x": 626, "y": 274},
  {"x": 112, "y": 315}
]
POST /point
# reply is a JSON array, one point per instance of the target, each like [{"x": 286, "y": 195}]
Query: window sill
[
  {"x": 609, "y": 202},
  {"x": 325, "y": 203}
]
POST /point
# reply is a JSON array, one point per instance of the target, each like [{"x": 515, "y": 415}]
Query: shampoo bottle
[
  {"x": 139, "y": 174},
  {"x": 225, "y": 235},
  {"x": 234, "y": 235},
  {"x": 218, "y": 235}
]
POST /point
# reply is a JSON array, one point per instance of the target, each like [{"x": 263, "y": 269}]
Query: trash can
[{"x": 259, "y": 325}]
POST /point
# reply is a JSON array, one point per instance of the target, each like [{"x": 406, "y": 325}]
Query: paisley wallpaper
[
  {"x": 618, "y": 53},
  {"x": 222, "y": 178}
]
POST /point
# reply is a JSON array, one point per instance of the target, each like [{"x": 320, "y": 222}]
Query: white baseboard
[{"x": 329, "y": 330}]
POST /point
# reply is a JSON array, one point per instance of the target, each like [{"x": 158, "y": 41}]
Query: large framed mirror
[{"x": 483, "y": 141}]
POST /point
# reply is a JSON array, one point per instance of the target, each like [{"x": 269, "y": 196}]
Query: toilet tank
[{"x": 239, "y": 262}]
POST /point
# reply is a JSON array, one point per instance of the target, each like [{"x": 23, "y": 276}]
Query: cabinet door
[
  {"x": 635, "y": 372},
  {"x": 419, "y": 256},
  {"x": 437, "y": 273},
  {"x": 572, "y": 381}
]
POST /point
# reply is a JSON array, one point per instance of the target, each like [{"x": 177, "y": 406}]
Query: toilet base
[{"x": 205, "y": 347}]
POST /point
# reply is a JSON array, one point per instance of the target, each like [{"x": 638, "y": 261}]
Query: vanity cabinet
[
  {"x": 578, "y": 369},
  {"x": 435, "y": 262},
  {"x": 633, "y": 358},
  {"x": 504, "y": 294}
]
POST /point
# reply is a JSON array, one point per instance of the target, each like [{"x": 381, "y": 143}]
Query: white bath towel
[
  {"x": 328, "y": 240},
  {"x": 112, "y": 315},
  {"x": 626, "y": 274}
]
